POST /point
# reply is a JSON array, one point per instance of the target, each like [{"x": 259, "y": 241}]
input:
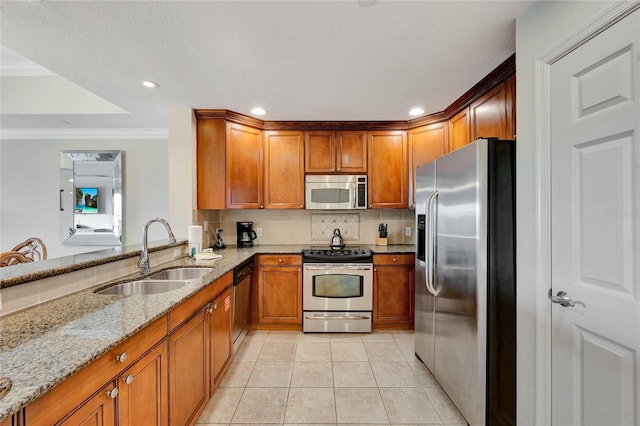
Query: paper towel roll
[{"x": 195, "y": 234}]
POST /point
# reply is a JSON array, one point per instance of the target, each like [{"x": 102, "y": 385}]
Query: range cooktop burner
[{"x": 347, "y": 254}]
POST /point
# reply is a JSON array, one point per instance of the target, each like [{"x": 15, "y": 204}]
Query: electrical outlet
[
  {"x": 259, "y": 232},
  {"x": 407, "y": 231},
  {"x": 206, "y": 226}
]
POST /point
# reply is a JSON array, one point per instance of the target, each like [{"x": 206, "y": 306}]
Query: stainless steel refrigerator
[{"x": 465, "y": 278}]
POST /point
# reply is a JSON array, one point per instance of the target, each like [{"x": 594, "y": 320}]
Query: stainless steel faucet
[{"x": 143, "y": 263}]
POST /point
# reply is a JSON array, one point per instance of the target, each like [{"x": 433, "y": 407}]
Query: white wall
[
  {"x": 29, "y": 190},
  {"x": 540, "y": 28}
]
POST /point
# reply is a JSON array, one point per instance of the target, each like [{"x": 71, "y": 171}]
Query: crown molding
[
  {"x": 77, "y": 134},
  {"x": 23, "y": 69}
]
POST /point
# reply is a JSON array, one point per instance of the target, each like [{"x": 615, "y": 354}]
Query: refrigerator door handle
[{"x": 431, "y": 241}]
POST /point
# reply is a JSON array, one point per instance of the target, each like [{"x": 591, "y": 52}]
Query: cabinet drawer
[
  {"x": 393, "y": 259},
  {"x": 280, "y": 259}
]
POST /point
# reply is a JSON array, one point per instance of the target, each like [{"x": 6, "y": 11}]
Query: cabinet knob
[
  {"x": 210, "y": 310},
  {"x": 279, "y": 260},
  {"x": 394, "y": 260},
  {"x": 112, "y": 393},
  {"x": 261, "y": 206},
  {"x": 127, "y": 380},
  {"x": 122, "y": 357}
]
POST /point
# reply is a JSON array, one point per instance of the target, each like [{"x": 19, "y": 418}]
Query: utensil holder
[{"x": 381, "y": 241}]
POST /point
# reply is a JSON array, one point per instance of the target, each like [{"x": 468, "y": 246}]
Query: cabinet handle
[
  {"x": 127, "y": 380},
  {"x": 215, "y": 307},
  {"x": 112, "y": 393},
  {"x": 210, "y": 310},
  {"x": 122, "y": 357}
]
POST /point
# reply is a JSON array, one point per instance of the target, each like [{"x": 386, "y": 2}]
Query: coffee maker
[{"x": 246, "y": 234}]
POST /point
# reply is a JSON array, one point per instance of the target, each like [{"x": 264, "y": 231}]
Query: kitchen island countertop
[{"x": 43, "y": 345}]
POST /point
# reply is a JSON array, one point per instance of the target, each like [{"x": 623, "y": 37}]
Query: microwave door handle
[{"x": 354, "y": 191}]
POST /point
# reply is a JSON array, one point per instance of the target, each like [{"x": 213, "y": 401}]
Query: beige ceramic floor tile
[
  {"x": 408, "y": 350},
  {"x": 445, "y": 408},
  {"x": 353, "y": 374},
  {"x": 378, "y": 337},
  {"x": 346, "y": 337},
  {"x": 314, "y": 337},
  {"x": 311, "y": 405},
  {"x": 348, "y": 351},
  {"x": 312, "y": 374},
  {"x": 392, "y": 374},
  {"x": 360, "y": 405},
  {"x": 283, "y": 336},
  {"x": 261, "y": 405},
  {"x": 270, "y": 374},
  {"x": 409, "y": 405},
  {"x": 383, "y": 351},
  {"x": 238, "y": 374},
  {"x": 277, "y": 351},
  {"x": 313, "y": 351},
  {"x": 221, "y": 406},
  {"x": 249, "y": 350}
]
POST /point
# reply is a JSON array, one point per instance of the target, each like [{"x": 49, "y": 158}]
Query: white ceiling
[{"x": 306, "y": 60}]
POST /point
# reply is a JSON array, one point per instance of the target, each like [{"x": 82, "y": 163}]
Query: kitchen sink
[
  {"x": 181, "y": 274},
  {"x": 147, "y": 286}
]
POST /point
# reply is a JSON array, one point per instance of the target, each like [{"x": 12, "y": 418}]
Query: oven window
[
  {"x": 338, "y": 286},
  {"x": 329, "y": 195}
]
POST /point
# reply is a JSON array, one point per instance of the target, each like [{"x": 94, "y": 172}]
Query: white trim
[
  {"x": 609, "y": 17},
  {"x": 78, "y": 133}
]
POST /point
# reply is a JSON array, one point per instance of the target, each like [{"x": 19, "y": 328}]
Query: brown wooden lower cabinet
[
  {"x": 143, "y": 398},
  {"x": 189, "y": 369},
  {"x": 280, "y": 291},
  {"x": 393, "y": 291},
  {"x": 221, "y": 334},
  {"x": 99, "y": 410}
]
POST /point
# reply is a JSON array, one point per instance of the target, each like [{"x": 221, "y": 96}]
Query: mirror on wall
[{"x": 91, "y": 197}]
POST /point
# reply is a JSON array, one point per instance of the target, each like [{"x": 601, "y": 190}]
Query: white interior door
[{"x": 595, "y": 217}]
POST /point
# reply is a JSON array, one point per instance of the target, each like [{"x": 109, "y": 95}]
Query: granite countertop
[{"x": 43, "y": 345}]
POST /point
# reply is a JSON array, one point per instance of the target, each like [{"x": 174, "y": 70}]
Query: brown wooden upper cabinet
[
  {"x": 489, "y": 115},
  {"x": 388, "y": 169},
  {"x": 283, "y": 169},
  {"x": 459, "y": 132},
  {"x": 511, "y": 107},
  {"x": 336, "y": 152},
  {"x": 244, "y": 167},
  {"x": 426, "y": 143}
]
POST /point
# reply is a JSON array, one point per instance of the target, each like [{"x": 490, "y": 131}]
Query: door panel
[{"x": 595, "y": 219}]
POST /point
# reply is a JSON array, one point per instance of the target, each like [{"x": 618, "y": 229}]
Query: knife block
[{"x": 381, "y": 241}]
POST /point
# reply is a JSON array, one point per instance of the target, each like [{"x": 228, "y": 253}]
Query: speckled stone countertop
[{"x": 43, "y": 345}]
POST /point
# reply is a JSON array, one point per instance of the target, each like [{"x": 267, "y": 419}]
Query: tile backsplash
[{"x": 310, "y": 227}]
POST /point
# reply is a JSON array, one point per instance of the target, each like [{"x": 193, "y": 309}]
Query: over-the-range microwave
[{"x": 335, "y": 192}]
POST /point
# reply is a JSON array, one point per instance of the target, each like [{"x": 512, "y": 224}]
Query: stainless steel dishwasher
[{"x": 241, "y": 301}]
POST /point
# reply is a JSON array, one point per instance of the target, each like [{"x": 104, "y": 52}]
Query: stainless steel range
[{"x": 337, "y": 290}]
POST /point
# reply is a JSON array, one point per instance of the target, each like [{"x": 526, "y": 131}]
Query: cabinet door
[
  {"x": 351, "y": 152},
  {"x": 284, "y": 170},
  {"x": 144, "y": 396},
  {"x": 426, "y": 143},
  {"x": 244, "y": 167},
  {"x": 459, "y": 134},
  {"x": 511, "y": 107},
  {"x": 280, "y": 295},
  {"x": 189, "y": 369},
  {"x": 489, "y": 115},
  {"x": 393, "y": 293},
  {"x": 221, "y": 326},
  {"x": 388, "y": 169},
  {"x": 319, "y": 152},
  {"x": 99, "y": 410},
  {"x": 211, "y": 164}
]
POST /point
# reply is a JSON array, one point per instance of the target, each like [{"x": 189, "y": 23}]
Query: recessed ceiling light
[
  {"x": 150, "y": 84},
  {"x": 416, "y": 111},
  {"x": 258, "y": 111}
]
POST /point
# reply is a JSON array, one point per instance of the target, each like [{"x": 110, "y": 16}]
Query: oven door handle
[
  {"x": 338, "y": 317},
  {"x": 328, "y": 268}
]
